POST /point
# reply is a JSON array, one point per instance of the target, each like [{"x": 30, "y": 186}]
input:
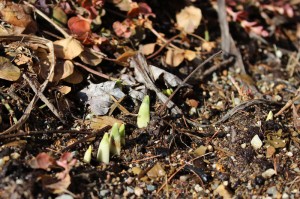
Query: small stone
[
  {"x": 285, "y": 196},
  {"x": 64, "y": 196},
  {"x": 15, "y": 155},
  {"x": 270, "y": 151},
  {"x": 183, "y": 178},
  {"x": 198, "y": 188},
  {"x": 268, "y": 173},
  {"x": 272, "y": 191},
  {"x": 256, "y": 142},
  {"x": 243, "y": 145},
  {"x": 151, "y": 187},
  {"x": 104, "y": 192},
  {"x": 290, "y": 154},
  {"x": 129, "y": 190},
  {"x": 138, "y": 191}
]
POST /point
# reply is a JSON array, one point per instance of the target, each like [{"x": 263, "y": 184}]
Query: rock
[
  {"x": 138, "y": 191},
  {"x": 198, "y": 188},
  {"x": 223, "y": 192},
  {"x": 268, "y": 173},
  {"x": 272, "y": 191},
  {"x": 151, "y": 187},
  {"x": 104, "y": 192},
  {"x": 136, "y": 170},
  {"x": 129, "y": 189},
  {"x": 256, "y": 142}
]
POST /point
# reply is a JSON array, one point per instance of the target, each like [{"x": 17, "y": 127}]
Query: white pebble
[
  {"x": 268, "y": 173},
  {"x": 256, "y": 142}
]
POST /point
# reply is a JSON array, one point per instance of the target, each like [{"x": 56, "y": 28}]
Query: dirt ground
[{"x": 224, "y": 99}]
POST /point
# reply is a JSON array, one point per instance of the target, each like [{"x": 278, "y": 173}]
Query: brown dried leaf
[
  {"x": 68, "y": 48},
  {"x": 8, "y": 71},
  {"x": 174, "y": 57},
  {"x": 91, "y": 58},
  {"x": 189, "y": 55},
  {"x": 148, "y": 48},
  {"x": 124, "y": 57},
  {"x": 100, "y": 122},
  {"x": 63, "y": 69},
  {"x": 189, "y": 18},
  {"x": 75, "y": 78},
  {"x": 16, "y": 15},
  {"x": 64, "y": 89}
]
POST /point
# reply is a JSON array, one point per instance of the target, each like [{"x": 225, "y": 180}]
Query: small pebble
[
  {"x": 272, "y": 191},
  {"x": 151, "y": 187},
  {"x": 243, "y": 145},
  {"x": 268, "y": 173},
  {"x": 104, "y": 192},
  {"x": 290, "y": 154},
  {"x": 256, "y": 142},
  {"x": 138, "y": 191},
  {"x": 285, "y": 196},
  {"x": 129, "y": 189},
  {"x": 198, "y": 188}
]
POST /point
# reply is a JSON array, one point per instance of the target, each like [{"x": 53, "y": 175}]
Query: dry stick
[
  {"x": 61, "y": 30},
  {"x": 287, "y": 105},
  {"x": 29, "y": 108},
  {"x": 43, "y": 98},
  {"x": 179, "y": 169},
  {"x": 86, "y": 138},
  {"x": 163, "y": 46},
  {"x": 32, "y": 133},
  {"x": 95, "y": 72},
  {"x": 186, "y": 79}
]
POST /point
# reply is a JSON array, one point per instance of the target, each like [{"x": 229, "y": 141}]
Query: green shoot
[
  {"x": 103, "y": 150},
  {"x": 143, "y": 117},
  {"x": 115, "y": 147},
  {"x": 88, "y": 155}
]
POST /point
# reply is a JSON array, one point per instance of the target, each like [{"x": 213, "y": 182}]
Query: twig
[
  {"x": 32, "y": 133},
  {"x": 94, "y": 72},
  {"x": 86, "y": 138},
  {"x": 7, "y": 106},
  {"x": 61, "y": 30},
  {"x": 179, "y": 169},
  {"x": 234, "y": 110},
  {"x": 163, "y": 46},
  {"x": 49, "y": 44},
  {"x": 148, "y": 158},
  {"x": 43, "y": 98},
  {"x": 287, "y": 105},
  {"x": 186, "y": 79}
]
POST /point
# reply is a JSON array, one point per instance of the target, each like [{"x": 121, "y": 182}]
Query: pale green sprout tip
[
  {"x": 143, "y": 117},
  {"x": 88, "y": 155},
  {"x": 103, "y": 150},
  {"x": 270, "y": 116},
  {"x": 122, "y": 133},
  {"x": 115, "y": 147}
]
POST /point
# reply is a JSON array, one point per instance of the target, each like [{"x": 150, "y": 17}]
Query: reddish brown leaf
[{"x": 42, "y": 161}]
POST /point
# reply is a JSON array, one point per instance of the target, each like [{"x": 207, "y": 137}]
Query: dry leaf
[
  {"x": 16, "y": 15},
  {"x": 99, "y": 122},
  {"x": 89, "y": 57},
  {"x": 189, "y": 18},
  {"x": 64, "y": 89},
  {"x": 189, "y": 55},
  {"x": 208, "y": 46},
  {"x": 174, "y": 57},
  {"x": 148, "y": 48},
  {"x": 63, "y": 69},
  {"x": 75, "y": 78},
  {"x": 124, "y": 57},
  {"x": 59, "y": 15},
  {"x": 68, "y": 48},
  {"x": 8, "y": 71}
]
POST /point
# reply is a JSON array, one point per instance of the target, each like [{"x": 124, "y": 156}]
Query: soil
[{"x": 233, "y": 138}]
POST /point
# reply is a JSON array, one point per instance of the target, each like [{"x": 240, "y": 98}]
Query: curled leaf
[{"x": 8, "y": 71}]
